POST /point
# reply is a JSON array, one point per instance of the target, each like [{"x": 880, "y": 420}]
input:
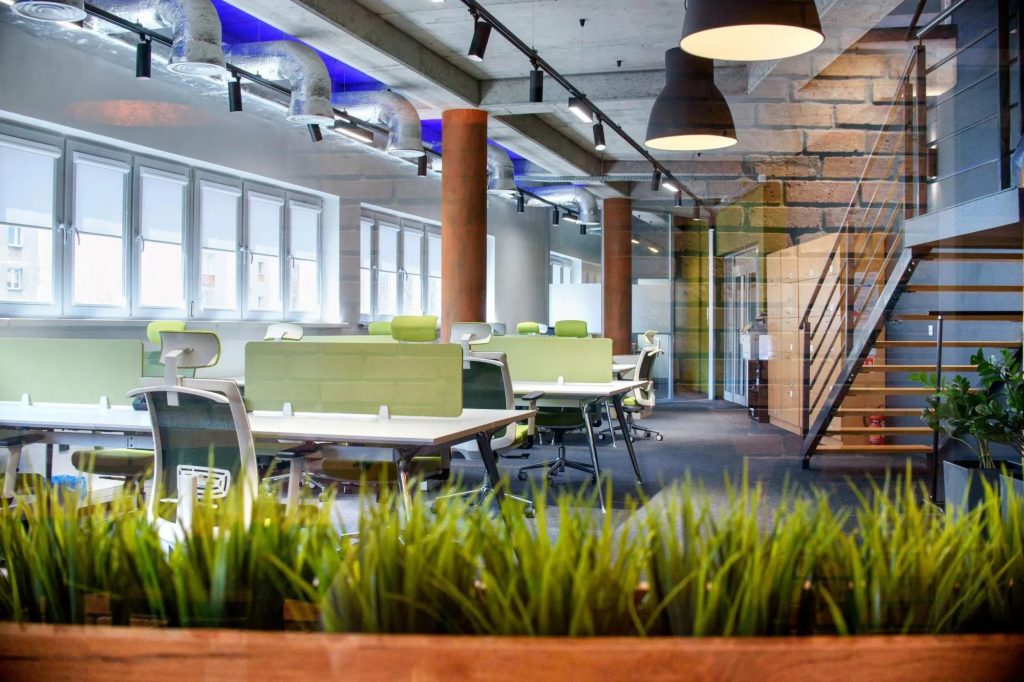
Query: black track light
[
  {"x": 235, "y": 94},
  {"x": 481, "y": 34},
  {"x": 520, "y": 203},
  {"x": 554, "y": 216},
  {"x": 144, "y": 58},
  {"x": 655, "y": 180},
  {"x": 421, "y": 166},
  {"x": 599, "y": 144},
  {"x": 578, "y": 107},
  {"x": 583, "y": 230},
  {"x": 315, "y": 133},
  {"x": 679, "y": 199},
  {"x": 536, "y": 86}
]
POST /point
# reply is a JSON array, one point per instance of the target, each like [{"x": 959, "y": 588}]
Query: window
[
  {"x": 387, "y": 270},
  {"x": 160, "y": 254},
  {"x": 265, "y": 223},
  {"x": 399, "y": 267},
  {"x": 492, "y": 315},
  {"x": 366, "y": 268},
  {"x": 96, "y": 236},
  {"x": 219, "y": 214},
  {"x": 433, "y": 274},
  {"x": 412, "y": 272},
  {"x": 28, "y": 210},
  {"x": 304, "y": 258},
  {"x": 14, "y": 279}
]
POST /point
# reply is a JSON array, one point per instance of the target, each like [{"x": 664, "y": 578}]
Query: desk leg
[
  {"x": 611, "y": 427},
  {"x": 483, "y": 443},
  {"x": 49, "y": 462},
  {"x": 617, "y": 400},
  {"x": 593, "y": 455},
  {"x": 295, "y": 467},
  {"x": 403, "y": 462}
]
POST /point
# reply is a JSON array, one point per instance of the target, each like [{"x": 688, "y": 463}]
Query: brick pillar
[
  {"x": 618, "y": 273},
  {"x": 463, "y": 218}
]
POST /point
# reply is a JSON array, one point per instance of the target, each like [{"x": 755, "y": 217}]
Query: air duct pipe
[
  {"x": 501, "y": 175},
  {"x": 570, "y": 194},
  {"x": 50, "y": 10},
  {"x": 299, "y": 65},
  {"x": 389, "y": 110},
  {"x": 196, "y": 48}
]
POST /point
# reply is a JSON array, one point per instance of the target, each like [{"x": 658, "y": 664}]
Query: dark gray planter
[
  {"x": 1012, "y": 482},
  {"x": 963, "y": 483}
]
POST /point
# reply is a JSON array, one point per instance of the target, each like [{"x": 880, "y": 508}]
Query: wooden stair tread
[
  {"x": 948, "y": 344},
  {"x": 965, "y": 255},
  {"x": 891, "y": 390},
  {"x": 884, "y": 411},
  {"x": 868, "y": 369},
  {"x": 873, "y": 449},
  {"x": 1010, "y": 316},
  {"x": 973, "y": 288},
  {"x": 869, "y": 431}
]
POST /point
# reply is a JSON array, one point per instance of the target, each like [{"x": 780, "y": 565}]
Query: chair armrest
[
  {"x": 532, "y": 397},
  {"x": 298, "y": 451}
]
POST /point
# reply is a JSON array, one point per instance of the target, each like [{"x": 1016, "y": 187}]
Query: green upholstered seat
[
  {"x": 114, "y": 462},
  {"x": 576, "y": 329},
  {"x": 26, "y": 483},
  {"x": 414, "y": 328},
  {"x": 528, "y": 328},
  {"x": 379, "y": 329},
  {"x": 629, "y": 401},
  {"x": 157, "y": 326}
]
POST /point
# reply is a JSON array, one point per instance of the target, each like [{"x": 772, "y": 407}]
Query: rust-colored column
[
  {"x": 463, "y": 218},
  {"x": 618, "y": 273}
]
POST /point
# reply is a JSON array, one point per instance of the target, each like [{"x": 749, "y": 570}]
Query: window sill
[{"x": 142, "y": 323}]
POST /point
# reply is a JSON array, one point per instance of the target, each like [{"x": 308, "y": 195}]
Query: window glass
[
  {"x": 304, "y": 245},
  {"x": 365, "y": 265},
  {"x": 97, "y": 239},
  {"x": 265, "y": 223},
  {"x": 218, "y": 227},
  {"x": 433, "y": 306},
  {"x": 492, "y": 315},
  {"x": 387, "y": 270},
  {"x": 161, "y": 233},
  {"x": 412, "y": 281}
]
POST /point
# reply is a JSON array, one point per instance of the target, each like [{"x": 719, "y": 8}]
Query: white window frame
[
  {"x": 196, "y": 309},
  {"x": 266, "y": 193},
  {"x": 53, "y": 146},
  {"x": 174, "y": 171},
  {"x": 10, "y": 270},
  {"x": 422, "y": 227},
  {"x": 15, "y": 243},
  {"x": 312, "y": 203},
  {"x": 94, "y": 154}
]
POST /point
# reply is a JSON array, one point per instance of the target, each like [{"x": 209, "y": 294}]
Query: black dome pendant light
[
  {"x": 751, "y": 30},
  {"x": 690, "y": 113}
]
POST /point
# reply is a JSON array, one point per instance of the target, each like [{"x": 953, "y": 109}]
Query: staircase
[{"x": 883, "y": 309}]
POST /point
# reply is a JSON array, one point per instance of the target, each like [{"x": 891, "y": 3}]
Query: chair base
[
  {"x": 557, "y": 466},
  {"x": 477, "y": 496}
]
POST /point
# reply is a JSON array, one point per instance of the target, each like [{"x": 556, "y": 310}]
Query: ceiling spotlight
[
  {"x": 571, "y": 218},
  {"x": 679, "y": 199},
  {"x": 235, "y": 94},
  {"x": 583, "y": 230},
  {"x": 669, "y": 185},
  {"x": 653, "y": 249},
  {"x": 536, "y": 85},
  {"x": 57, "y": 11},
  {"x": 751, "y": 30},
  {"x": 635, "y": 241},
  {"x": 599, "y": 144},
  {"x": 580, "y": 108},
  {"x": 421, "y": 166},
  {"x": 520, "y": 203},
  {"x": 655, "y": 180},
  {"x": 315, "y": 133},
  {"x": 690, "y": 113},
  {"x": 554, "y": 216},
  {"x": 481, "y": 34},
  {"x": 353, "y": 132},
  {"x": 144, "y": 58}
]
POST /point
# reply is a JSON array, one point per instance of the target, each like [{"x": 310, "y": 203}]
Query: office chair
[
  {"x": 414, "y": 328},
  {"x": 641, "y": 402},
  {"x": 283, "y": 331},
  {"x": 498, "y": 329},
  {"x": 529, "y": 328},
  {"x": 14, "y": 482},
  {"x": 379, "y": 329},
  {"x": 487, "y": 385},
  {"x": 151, "y": 365},
  {"x": 574, "y": 329}
]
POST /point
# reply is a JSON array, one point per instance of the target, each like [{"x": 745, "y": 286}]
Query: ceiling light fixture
[
  {"x": 353, "y": 132},
  {"x": 315, "y": 133},
  {"x": 583, "y": 230},
  {"x": 635, "y": 241},
  {"x": 655, "y": 180},
  {"x": 554, "y": 216},
  {"x": 144, "y": 58},
  {"x": 235, "y": 94},
  {"x": 679, "y": 199},
  {"x": 580, "y": 108},
  {"x": 571, "y": 218},
  {"x": 421, "y": 166},
  {"x": 520, "y": 203},
  {"x": 536, "y": 85},
  {"x": 751, "y": 30},
  {"x": 690, "y": 113},
  {"x": 653, "y": 249},
  {"x": 599, "y": 144},
  {"x": 481, "y": 34},
  {"x": 669, "y": 186},
  {"x": 51, "y": 10}
]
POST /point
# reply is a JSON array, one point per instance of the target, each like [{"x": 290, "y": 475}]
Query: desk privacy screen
[{"x": 545, "y": 358}]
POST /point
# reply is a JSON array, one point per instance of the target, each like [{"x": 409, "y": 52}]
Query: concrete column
[
  {"x": 618, "y": 273},
  {"x": 463, "y": 218}
]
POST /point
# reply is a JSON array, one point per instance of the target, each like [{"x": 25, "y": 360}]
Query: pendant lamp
[
  {"x": 751, "y": 30},
  {"x": 690, "y": 113}
]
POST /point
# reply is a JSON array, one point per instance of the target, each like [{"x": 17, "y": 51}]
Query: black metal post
[{"x": 935, "y": 435}]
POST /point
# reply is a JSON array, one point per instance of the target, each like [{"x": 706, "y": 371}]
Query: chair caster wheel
[
  {"x": 522, "y": 476},
  {"x": 647, "y": 435},
  {"x": 529, "y": 512},
  {"x": 632, "y": 440},
  {"x": 660, "y": 437},
  {"x": 600, "y": 436},
  {"x": 561, "y": 469}
]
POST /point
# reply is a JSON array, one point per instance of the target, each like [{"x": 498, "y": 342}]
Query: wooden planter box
[{"x": 88, "y": 653}]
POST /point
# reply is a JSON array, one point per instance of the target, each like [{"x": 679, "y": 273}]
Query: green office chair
[
  {"x": 15, "y": 483},
  {"x": 528, "y": 328},
  {"x": 151, "y": 365},
  {"x": 379, "y": 329},
  {"x": 641, "y": 402},
  {"x": 283, "y": 331},
  {"x": 414, "y": 328},
  {"x": 574, "y": 329},
  {"x": 559, "y": 421},
  {"x": 487, "y": 385}
]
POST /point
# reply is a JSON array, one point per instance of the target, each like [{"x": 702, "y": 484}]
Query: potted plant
[{"x": 979, "y": 417}]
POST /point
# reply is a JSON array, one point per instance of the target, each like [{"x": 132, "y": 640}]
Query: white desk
[
  {"x": 620, "y": 368},
  {"x": 585, "y": 395},
  {"x": 127, "y": 427}
]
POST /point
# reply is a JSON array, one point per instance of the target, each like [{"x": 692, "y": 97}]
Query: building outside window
[{"x": 14, "y": 279}]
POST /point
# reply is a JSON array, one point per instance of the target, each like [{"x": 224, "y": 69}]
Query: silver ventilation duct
[
  {"x": 390, "y": 110},
  {"x": 569, "y": 194},
  {"x": 50, "y": 10},
  {"x": 196, "y": 49},
  {"x": 501, "y": 175},
  {"x": 300, "y": 66}
]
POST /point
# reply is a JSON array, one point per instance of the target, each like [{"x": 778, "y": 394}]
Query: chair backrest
[
  {"x": 283, "y": 331},
  {"x": 645, "y": 372},
  {"x": 183, "y": 352},
  {"x": 528, "y": 328},
  {"x": 414, "y": 328},
  {"x": 200, "y": 432},
  {"x": 650, "y": 339},
  {"x": 379, "y": 329},
  {"x": 487, "y": 385},
  {"x": 156, "y": 326},
  {"x": 498, "y": 329},
  {"x": 479, "y": 332},
  {"x": 571, "y": 328}
]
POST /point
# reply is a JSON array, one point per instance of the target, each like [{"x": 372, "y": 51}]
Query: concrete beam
[{"x": 540, "y": 139}]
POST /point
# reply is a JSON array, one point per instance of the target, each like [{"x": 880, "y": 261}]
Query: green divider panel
[
  {"x": 542, "y": 358},
  {"x": 423, "y": 380},
  {"x": 69, "y": 370},
  {"x": 350, "y": 338}
]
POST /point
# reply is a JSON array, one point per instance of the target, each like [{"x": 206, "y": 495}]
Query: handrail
[{"x": 941, "y": 17}]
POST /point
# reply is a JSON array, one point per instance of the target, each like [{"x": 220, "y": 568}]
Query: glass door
[{"x": 740, "y": 298}]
